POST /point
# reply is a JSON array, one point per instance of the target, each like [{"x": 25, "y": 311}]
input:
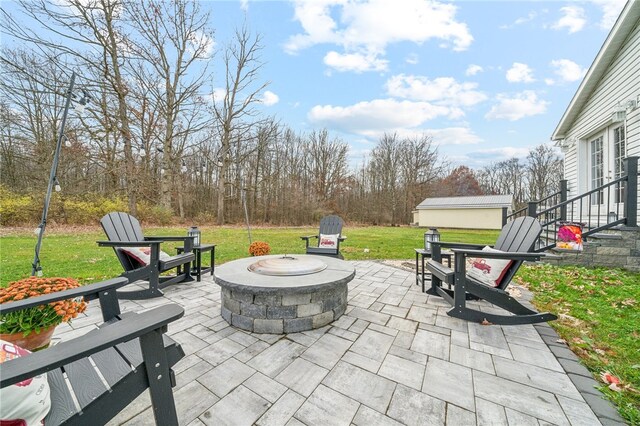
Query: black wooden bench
[{"x": 95, "y": 376}]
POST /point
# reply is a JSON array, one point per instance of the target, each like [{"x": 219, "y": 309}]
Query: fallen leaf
[
  {"x": 485, "y": 322},
  {"x": 561, "y": 341},
  {"x": 609, "y": 378},
  {"x": 600, "y": 352},
  {"x": 614, "y": 387}
]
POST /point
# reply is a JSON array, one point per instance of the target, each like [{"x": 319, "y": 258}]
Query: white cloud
[
  {"x": 573, "y": 19},
  {"x": 412, "y": 59},
  {"x": 217, "y": 95},
  {"x": 610, "y": 11},
  {"x": 567, "y": 71},
  {"x": 269, "y": 98},
  {"x": 379, "y": 115},
  {"x": 473, "y": 69},
  {"x": 201, "y": 44},
  {"x": 442, "y": 90},
  {"x": 454, "y": 136},
  {"x": 367, "y": 28},
  {"x": 520, "y": 73},
  {"x": 244, "y": 5},
  {"x": 514, "y": 108},
  {"x": 530, "y": 17},
  {"x": 354, "y": 62},
  {"x": 483, "y": 157}
]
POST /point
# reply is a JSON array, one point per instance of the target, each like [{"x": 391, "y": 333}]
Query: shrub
[{"x": 18, "y": 209}]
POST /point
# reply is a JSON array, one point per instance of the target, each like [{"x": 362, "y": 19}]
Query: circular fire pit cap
[{"x": 287, "y": 266}]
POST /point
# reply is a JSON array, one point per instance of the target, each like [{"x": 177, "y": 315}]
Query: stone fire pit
[{"x": 283, "y": 294}]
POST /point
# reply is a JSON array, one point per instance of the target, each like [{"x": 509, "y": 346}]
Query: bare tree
[
  {"x": 174, "y": 37},
  {"x": 96, "y": 26},
  {"x": 544, "y": 171},
  {"x": 235, "y": 112}
]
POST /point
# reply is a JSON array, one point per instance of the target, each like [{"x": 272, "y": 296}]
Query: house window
[
  {"x": 597, "y": 169},
  {"x": 619, "y": 152}
]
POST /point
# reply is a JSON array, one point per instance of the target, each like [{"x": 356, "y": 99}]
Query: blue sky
[{"x": 488, "y": 80}]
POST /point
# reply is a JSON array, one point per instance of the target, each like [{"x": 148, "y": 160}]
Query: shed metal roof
[{"x": 470, "y": 202}]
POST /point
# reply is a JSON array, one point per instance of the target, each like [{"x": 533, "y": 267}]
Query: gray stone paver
[
  {"x": 327, "y": 407},
  {"x": 283, "y": 410},
  {"x": 403, "y": 371},
  {"x": 449, "y": 382},
  {"x": 302, "y": 376},
  {"x": 363, "y": 386},
  {"x": 394, "y": 357},
  {"x": 240, "y": 407}
]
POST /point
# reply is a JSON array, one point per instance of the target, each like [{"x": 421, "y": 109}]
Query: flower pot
[{"x": 33, "y": 341}]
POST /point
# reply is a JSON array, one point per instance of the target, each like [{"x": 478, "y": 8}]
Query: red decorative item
[{"x": 570, "y": 236}]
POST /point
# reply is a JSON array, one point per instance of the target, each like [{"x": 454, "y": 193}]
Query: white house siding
[
  {"x": 468, "y": 218},
  {"x": 620, "y": 83}
]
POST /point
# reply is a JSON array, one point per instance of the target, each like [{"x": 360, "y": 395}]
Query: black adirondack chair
[
  {"x": 129, "y": 351},
  {"x": 516, "y": 241},
  {"x": 329, "y": 225},
  {"x": 123, "y": 230}
]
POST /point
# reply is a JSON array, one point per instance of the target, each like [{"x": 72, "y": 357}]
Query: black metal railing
[
  {"x": 611, "y": 204},
  {"x": 546, "y": 202}
]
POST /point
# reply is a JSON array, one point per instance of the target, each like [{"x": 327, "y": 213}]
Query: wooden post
[
  {"x": 504, "y": 216},
  {"x": 532, "y": 209},
  {"x": 631, "y": 202}
]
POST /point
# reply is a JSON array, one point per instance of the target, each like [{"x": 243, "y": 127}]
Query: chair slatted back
[
  {"x": 119, "y": 226},
  {"x": 331, "y": 225},
  {"x": 517, "y": 236}
]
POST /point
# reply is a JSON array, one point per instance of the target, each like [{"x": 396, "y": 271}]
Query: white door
[{"x": 607, "y": 151}]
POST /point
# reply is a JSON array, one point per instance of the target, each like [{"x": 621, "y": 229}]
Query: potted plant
[
  {"x": 259, "y": 248},
  {"x": 32, "y": 328}
]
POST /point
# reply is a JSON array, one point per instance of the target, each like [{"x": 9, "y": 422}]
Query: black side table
[
  {"x": 421, "y": 273},
  {"x": 197, "y": 263}
]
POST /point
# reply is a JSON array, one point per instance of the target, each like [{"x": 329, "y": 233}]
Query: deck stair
[{"x": 611, "y": 236}]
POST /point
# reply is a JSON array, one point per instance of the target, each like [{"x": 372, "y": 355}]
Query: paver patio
[{"x": 395, "y": 357}]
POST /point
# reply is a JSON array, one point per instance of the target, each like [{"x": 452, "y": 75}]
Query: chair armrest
[
  {"x": 172, "y": 238},
  {"x": 127, "y": 243},
  {"x": 309, "y": 236},
  {"x": 90, "y": 292},
  {"x": 342, "y": 238},
  {"x": 504, "y": 255},
  {"x": 452, "y": 245},
  {"x": 129, "y": 328}
]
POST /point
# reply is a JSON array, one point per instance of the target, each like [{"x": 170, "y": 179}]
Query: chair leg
[{"x": 159, "y": 375}]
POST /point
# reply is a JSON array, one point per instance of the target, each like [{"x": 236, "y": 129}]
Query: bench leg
[{"x": 159, "y": 374}]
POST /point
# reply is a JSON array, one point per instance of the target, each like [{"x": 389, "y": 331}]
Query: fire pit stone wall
[{"x": 283, "y": 304}]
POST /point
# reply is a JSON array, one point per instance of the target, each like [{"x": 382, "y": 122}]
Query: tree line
[{"x": 156, "y": 132}]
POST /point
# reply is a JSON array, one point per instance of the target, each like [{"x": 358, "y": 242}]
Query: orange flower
[
  {"x": 35, "y": 318},
  {"x": 259, "y": 248}
]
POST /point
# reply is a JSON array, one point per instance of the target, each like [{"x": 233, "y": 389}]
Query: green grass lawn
[
  {"x": 75, "y": 253},
  {"x": 599, "y": 318},
  {"x": 599, "y": 308}
]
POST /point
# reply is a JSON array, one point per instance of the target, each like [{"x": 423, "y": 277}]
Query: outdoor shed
[{"x": 473, "y": 212}]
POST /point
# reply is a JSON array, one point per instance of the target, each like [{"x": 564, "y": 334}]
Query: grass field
[
  {"x": 599, "y": 308},
  {"x": 74, "y": 253}
]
